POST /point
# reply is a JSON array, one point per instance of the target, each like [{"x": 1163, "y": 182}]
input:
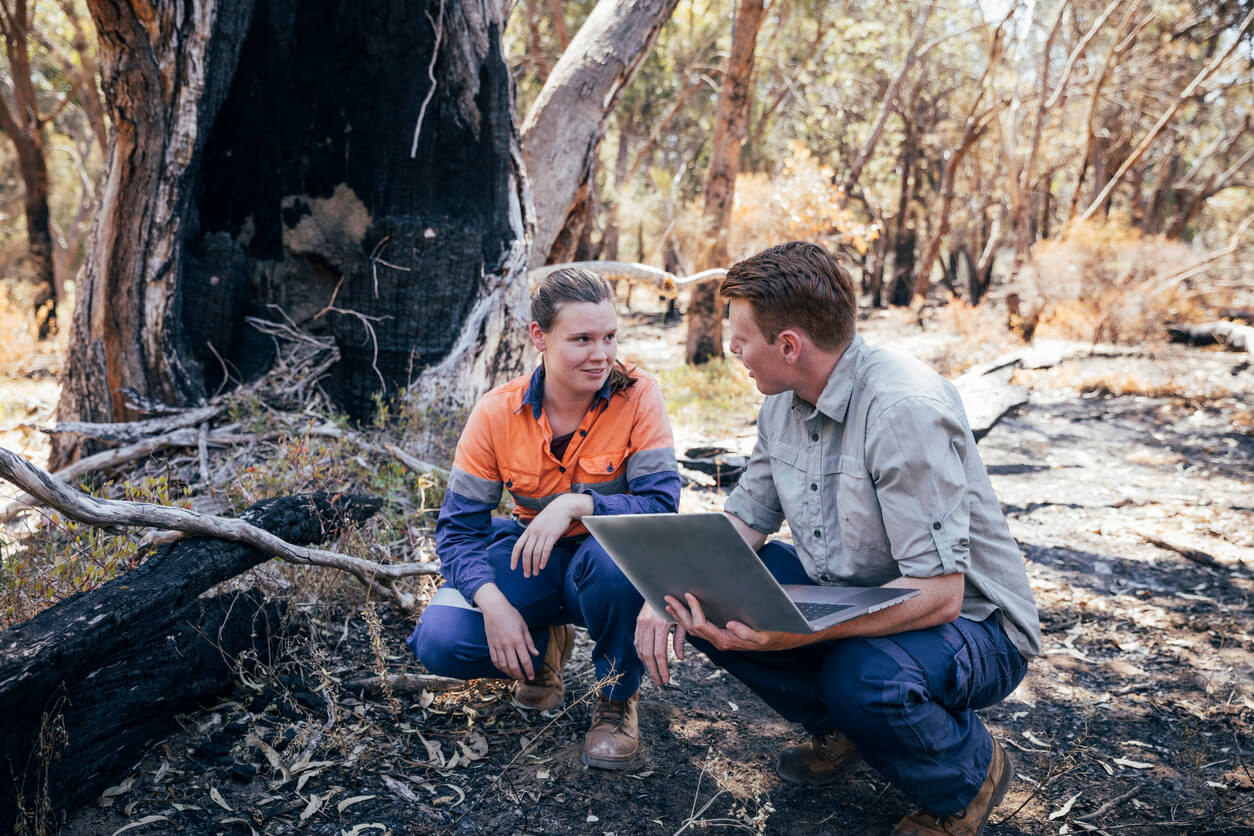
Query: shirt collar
[
  {"x": 834, "y": 400},
  {"x": 534, "y": 396}
]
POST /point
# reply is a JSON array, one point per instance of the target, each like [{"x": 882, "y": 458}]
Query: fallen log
[
  {"x": 988, "y": 396},
  {"x": 87, "y": 685},
  {"x": 1232, "y": 335}
]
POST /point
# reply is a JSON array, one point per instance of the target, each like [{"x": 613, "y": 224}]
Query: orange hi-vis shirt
[{"x": 622, "y": 455}]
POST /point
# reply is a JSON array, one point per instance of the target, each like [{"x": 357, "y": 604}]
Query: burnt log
[
  {"x": 87, "y": 685},
  {"x": 1232, "y": 335}
]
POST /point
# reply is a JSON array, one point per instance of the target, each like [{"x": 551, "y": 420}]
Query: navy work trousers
[
  {"x": 906, "y": 701},
  {"x": 580, "y": 585}
]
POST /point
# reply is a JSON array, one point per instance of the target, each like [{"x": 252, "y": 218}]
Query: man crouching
[{"x": 868, "y": 455}]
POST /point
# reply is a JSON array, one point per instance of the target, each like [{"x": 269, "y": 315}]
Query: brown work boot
[
  {"x": 545, "y": 691},
  {"x": 822, "y": 761},
  {"x": 971, "y": 821},
  {"x": 614, "y": 734}
]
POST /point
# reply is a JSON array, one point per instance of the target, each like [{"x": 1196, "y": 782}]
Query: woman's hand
[
  {"x": 546, "y": 528},
  {"x": 509, "y": 641},
  {"x": 652, "y": 630}
]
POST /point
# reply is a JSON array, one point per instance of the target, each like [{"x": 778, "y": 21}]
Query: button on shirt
[{"x": 881, "y": 479}]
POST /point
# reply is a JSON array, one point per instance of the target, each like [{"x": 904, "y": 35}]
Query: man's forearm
[
  {"x": 751, "y": 535},
  {"x": 939, "y": 602}
]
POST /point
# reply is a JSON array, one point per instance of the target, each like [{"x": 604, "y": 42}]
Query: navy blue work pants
[
  {"x": 906, "y": 701},
  {"x": 580, "y": 585}
]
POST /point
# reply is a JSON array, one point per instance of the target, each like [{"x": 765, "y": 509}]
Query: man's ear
[
  {"x": 537, "y": 336},
  {"x": 790, "y": 345}
]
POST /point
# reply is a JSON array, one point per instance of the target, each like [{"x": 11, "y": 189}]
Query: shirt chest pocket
[
  {"x": 604, "y": 472},
  {"x": 861, "y": 522},
  {"x": 520, "y": 479},
  {"x": 785, "y": 462}
]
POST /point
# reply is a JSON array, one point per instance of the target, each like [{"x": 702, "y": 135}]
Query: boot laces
[{"x": 610, "y": 711}]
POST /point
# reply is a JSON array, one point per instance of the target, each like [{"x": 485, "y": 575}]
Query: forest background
[{"x": 1003, "y": 172}]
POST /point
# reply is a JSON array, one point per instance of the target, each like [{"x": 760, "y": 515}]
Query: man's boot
[
  {"x": 614, "y": 735},
  {"x": 822, "y": 761},
  {"x": 545, "y": 691},
  {"x": 971, "y": 821}
]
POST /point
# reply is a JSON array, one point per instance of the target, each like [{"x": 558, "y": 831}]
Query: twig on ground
[
  {"x": 695, "y": 816},
  {"x": 1111, "y": 804},
  {"x": 406, "y": 683},
  {"x": 595, "y": 690},
  {"x": 130, "y": 431},
  {"x": 416, "y": 465},
  {"x": 1199, "y": 557}
]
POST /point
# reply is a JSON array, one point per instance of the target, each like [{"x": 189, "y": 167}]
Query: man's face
[{"x": 763, "y": 359}]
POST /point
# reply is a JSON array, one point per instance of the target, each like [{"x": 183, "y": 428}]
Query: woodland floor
[{"x": 1138, "y": 717}]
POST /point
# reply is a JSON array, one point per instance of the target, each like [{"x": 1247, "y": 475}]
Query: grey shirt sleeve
[
  {"x": 914, "y": 451},
  {"x": 755, "y": 499}
]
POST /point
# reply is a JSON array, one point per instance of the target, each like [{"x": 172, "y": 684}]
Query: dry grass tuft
[
  {"x": 718, "y": 396},
  {"x": 795, "y": 203},
  {"x": 1106, "y": 283}
]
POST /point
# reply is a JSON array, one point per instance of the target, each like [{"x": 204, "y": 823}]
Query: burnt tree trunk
[
  {"x": 101, "y": 675},
  {"x": 705, "y": 310},
  {"x": 268, "y": 152}
]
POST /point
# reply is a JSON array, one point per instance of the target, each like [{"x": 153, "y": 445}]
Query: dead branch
[
  {"x": 1199, "y": 557},
  {"x": 1209, "y": 258},
  {"x": 131, "y": 431},
  {"x": 405, "y": 682},
  {"x": 1110, "y": 805},
  {"x": 48, "y": 490},
  {"x": 667, "y": 284},
  {"x": 416, "y": 465},
  {"x": 108, "y": 459}
]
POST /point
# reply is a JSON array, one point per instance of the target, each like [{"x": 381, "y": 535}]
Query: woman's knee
[
  {"x": 441, "y": 641},
  {"x": 599, "y": 575}
]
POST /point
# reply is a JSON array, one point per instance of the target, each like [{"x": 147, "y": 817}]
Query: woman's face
[{"x": 580, "y": 348}]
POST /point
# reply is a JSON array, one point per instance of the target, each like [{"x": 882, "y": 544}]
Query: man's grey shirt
[{"x": 882, "y": 479}]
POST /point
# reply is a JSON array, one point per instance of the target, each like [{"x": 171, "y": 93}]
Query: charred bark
[
  {"x": 272, "y": 152},
  {"x": 108, "y": 669}
]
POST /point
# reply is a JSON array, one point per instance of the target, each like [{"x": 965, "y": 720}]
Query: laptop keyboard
[{"x": 813, "y": 611}]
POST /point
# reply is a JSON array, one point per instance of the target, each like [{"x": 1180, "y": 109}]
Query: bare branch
[
  {"x": 76, "y": 505},
  {"x": 890, "y": 98},
  {"x": 134, "y": 430},
  {"x": 1079, "y": 48},
  {"x": 1184, "y": 96},
  {"x": 667, "y": 284}
]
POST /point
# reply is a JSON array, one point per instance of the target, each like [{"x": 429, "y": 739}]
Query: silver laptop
[{"x": 670, "y": 554}]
